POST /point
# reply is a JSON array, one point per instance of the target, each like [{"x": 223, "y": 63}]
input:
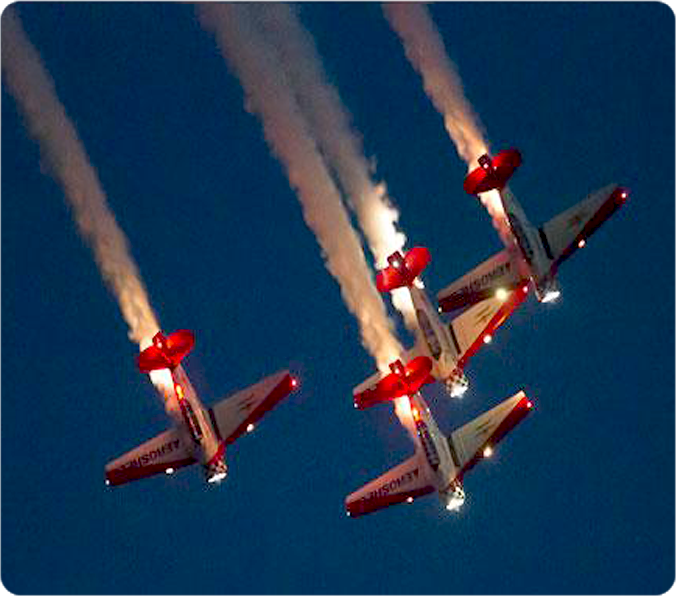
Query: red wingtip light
[
  {"x": 530, "y": 404},
  {"x": 293, "y": 381}
]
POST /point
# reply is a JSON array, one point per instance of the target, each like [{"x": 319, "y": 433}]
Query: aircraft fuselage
[{"x": 188, "y": 412}]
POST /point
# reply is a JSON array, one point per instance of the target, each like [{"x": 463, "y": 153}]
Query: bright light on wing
[
  {"x": 488, "y": 451},
  {"x": 218, "y": 477},
  {"x": 501, "y": 294},
  {"x": 551, "y": 296},
  {"x": 250, "y": 428},
  {"x": 487, "y": 339}
]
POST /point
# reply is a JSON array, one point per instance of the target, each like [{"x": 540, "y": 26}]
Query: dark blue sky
[{"x": 579, "y": 499}]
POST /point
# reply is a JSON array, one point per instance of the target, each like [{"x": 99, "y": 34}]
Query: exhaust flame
[
  {"x": 330, "y": 124},
  {"x": 63, "y": 152},
  {"x": 270, "y": 96},
  {"x": 425, "y": 51}
]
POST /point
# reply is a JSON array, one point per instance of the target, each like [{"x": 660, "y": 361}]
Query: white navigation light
[
  {"x": 488, "y": 451},
  {"x": 410, "y": 499},
  {"x": 458, "y": 389},
  {"x": 487, "y": 339},
  {"x": 501, "y": 294},
  {"x": 551, "y": 296},
  {"x": 581, "y": 243},
  {"x": 169, "y": 471},
  {"x": 250, "y": 428},
  {"x": 454, "y": 496},
  {"x": 107, "y": 482},
  {"x": 218, "y": 477}
]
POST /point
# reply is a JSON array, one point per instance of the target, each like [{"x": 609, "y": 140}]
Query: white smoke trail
[
  {"x": 269, "y": 95},
  {"x": 425, "y": 50},
  {"x": 341, "y": 146},
  {"x": 63, "y": 152}
]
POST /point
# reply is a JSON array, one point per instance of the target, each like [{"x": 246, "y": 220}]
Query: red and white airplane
[
  {"x": 537, "y": 252},
  {"x": 200, "y": 434},
  {"x": 447, "y": 346},
  {"x": 439, "y": 462}
]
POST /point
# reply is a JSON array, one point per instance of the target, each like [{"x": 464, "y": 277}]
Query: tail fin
[
  {"x": 481, "y": 283},
  {"x": 403, "y": 270},
  {"x": 569, "y": 230},
  {"x": 476, "y": 439}
]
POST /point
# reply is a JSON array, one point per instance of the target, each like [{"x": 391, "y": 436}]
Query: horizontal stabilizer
[
  {"x": 233, "y": 415},
  {"x": 166, "y": 351},
  {"x": 402, "y": 270},
  {"x": 569, "y": 230},
  {"x": 493, "y": 173},
  {"x": 498, "y": 272},
  {"x": 474, "y": 327},
  {"x": 474, "y": 440},
  {"x": 402, "y": 483},
  {"x": 164, "y": 453},
  {"x": 406, "y": 379}
]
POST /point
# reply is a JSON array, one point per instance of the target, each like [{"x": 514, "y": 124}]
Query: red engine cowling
[
  {"x": 404, "y": 380},
  {"x": 403, "y": 270},
  {"x": 166, "y": 351},
  {"x": 493, "y": 173}
]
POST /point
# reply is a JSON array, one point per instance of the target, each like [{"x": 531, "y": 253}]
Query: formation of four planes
[{"x": 477, "y": 304}]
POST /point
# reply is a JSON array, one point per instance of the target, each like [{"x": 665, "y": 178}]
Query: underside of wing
[
  {"x": 234, "y": 415},
  {"x": 475, "y": 326},
  {"x": 469, "y": 443},
  {"x": 404, "y": 482},
  {"x": 569, "y": 231},
  {"x": 164, "y": 453},
  {"x": 497, "y": 272}
]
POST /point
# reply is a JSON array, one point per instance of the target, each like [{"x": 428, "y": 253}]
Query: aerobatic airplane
[
  {"x": 200, "y": 434},
  {"x": 537, "y": 253},
  {"x": 439, "y": 462},
  {"x": 448, "y": 347}
]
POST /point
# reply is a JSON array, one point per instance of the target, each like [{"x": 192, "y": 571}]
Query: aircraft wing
[
  {"x": 481, "y": 283},
  {"x": 233, "y": 415},
  {"x": 470, "y": 329},
  {"x": 468, "y": 443},
  {"x": 569, "y": 230},
  {"x": 171, "y": 450},
  {"x": 407, "y": 480}
]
